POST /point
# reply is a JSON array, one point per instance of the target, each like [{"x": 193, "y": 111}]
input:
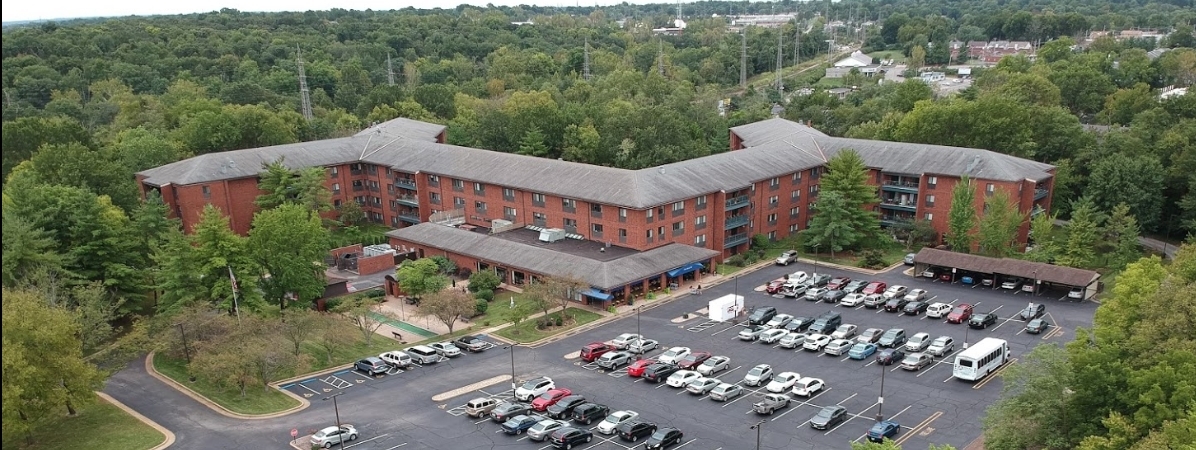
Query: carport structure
[{"x": 1007, "y": 268}]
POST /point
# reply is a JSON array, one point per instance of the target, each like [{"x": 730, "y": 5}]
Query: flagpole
[{"x": 233, "y": 278}]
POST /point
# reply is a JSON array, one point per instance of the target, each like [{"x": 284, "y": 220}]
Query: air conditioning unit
[
  {"x": 500, "y": 223},
  {"x": 552, "y": 235}
]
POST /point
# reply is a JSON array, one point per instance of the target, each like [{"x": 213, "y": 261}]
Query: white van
[{"x": 423, "y": 354}]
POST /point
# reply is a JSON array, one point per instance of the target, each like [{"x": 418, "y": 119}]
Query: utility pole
[
  {"x": 304, "y": 95},
  {"x": 390, "y": 71},
  {"x": 797, "y": 41},
  {"x": 780, "y": 60},
  {"x": 743, "y": 61},
  {"x": 585, "y": 68}
]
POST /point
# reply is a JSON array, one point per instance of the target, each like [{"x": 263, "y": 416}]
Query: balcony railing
[
  {"x": 736, "y": 221},
  {"x": 735, "y": 239},
  {"x": 896, "y": 221},
  {"x": 734, "y": 203},
  {"x": 405, "y": 183},
  {"x": 900, "y": 186},
  {"x": 409, "y": 218},
  {"x": 903, "y": 206},
  {"x": 1040, "y": 193},
  {"x": 408, "y": 200}
]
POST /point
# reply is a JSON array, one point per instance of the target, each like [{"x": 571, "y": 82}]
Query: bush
[
  {"x": 481, "y": 305},
  {"x": 486, "y": 295},
  {"x": 872, "y": 259},
  {"x": 484, "y": 281},
  {"x": 375, "y": 293},
  {"x": 447, "y": 266},
  {"x": 735, "y": 260},
  {"x": 559, "y": 321},
  {"x": 760, "y": 241},
  {"x": 464, "y": 273}
]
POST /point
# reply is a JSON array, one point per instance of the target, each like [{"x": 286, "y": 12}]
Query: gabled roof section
[
  {"x": 544, "y": 260},
  {"x": 1030, "y": 270},
  {"x": 774, "y": 129},
  {"x": 405, "y": 128},
  {"x": 904, "y": 157}
]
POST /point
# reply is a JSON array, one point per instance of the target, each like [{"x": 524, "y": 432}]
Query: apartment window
[
  {"x": 988, "y": 190},
  {"x": 207, "y": 193},
  {"x": 700, "y": 240},
  {"x": 815, "y": 172},
  {"x": 649, "y": 233},
  {"x": 434, "y": 198},
  {"x": 434, "y": 180},
  {"x": 649, "y": 212},
  {"x": 700, "y": 223},
  {"x": 660, "y": 232},
  {"x": 794, "y": 211},
  {"x": 772, "y": 235},
  {"x": 774, "y": 183},
  {"x": 795, "y": 195},
  {"x": 538, "y": 199},
  {"x": 354, "y": 169},
  {"x": 597, "y": 228},
  {"x": 929, "y": 216},
  {"x": 792, "y": 228},
  {"x": 660, "y": 211},
  {"x": 459, "y": 202},
  {"x": 931, "y": 182},
  {"x": 358, "y": 185},
  {"x": 336, "y": 188},
  {"x": 772, "y": 219},
  {"x": 571, "y": 225},
  {"x": 458, "y": 185},
  {"x": 772, "y": 201},
  {"x": 678, "y": 228},
  {"x": 568, "y": 205},
  {"x": 332, "y": 172},
  {"x": 595, "y": 210},
  {"x": 929, "y": 201},
  {"x": 796, "y": 177},
  {"x": 678, "y": 209},
  {"x": 814, "y": 188},
  {"x": 539, "y": 219},
  {"x": 360, "y": 200},
  {"x": 508, "y": 194},
  {"x": 336, "y": 203},
  {"x": 701, "y": 201},
  {"x": 479, "y": 189},
  {"x": 622, "y": 235},
  {"x": 479, "y": 206},
  {"x": 622, "y": 214},
  {"x": 508, "y": 212}
]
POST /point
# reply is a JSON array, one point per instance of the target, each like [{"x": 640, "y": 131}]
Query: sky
[{"x": 65, "y": 9}]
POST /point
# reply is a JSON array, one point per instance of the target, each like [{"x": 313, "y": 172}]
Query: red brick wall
[
  {"x": 355, "y": 248},
  {"x": 375, "y": 264}
]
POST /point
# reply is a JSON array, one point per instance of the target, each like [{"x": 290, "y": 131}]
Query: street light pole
[
  {"x": 637, "y": 322},
  {"x": 880, "y": 412},
  {"x": 338, "y": 416},
  {"x": 512, "y": 347},
  {"x": 757, "y": 427},
  {"x": 815, "y": 258}
]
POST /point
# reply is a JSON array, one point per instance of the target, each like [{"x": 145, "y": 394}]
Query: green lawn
[
  {"x": 526, "y": 330},
  {"x": 100, "y": 426},
  {"x": 891, "y": 256},
  {"x": 895, "y": 55}
]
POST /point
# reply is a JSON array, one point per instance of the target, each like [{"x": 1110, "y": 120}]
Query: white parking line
[
  {"x": 686, "y": 443},
  {"x": 949, "y": 358},
  {"x": 397, "y": 446},
  {"x": 873, "y": 361},
  {"x": 366, "y": 440},
  {"x": 745, "y": 394},
  {"x": 1005, "y": 322},
  {"x": 724, "y": 329}
]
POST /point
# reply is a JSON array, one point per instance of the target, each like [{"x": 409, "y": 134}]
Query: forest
[{"x": 88, "y": 103}]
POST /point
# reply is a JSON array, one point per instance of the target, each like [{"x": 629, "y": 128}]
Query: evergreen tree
[
  {"x": 846, "y": 224},
  {"x": 1121, "y": 233},
  {"x": 1083, "y": 234},
  {"x": 532, "y": 143}
]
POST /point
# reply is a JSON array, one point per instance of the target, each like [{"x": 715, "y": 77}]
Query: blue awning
[
  {"x": 594, "y": 293},
  {"x": 691, "y": 267}
]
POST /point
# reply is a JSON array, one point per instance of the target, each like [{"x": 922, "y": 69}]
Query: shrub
[
  {"x": 447, "y": 266},
  {"x": 559, "y": 321},
  {"x": 487, "y": 295},
  {"x": 760, "y": 241},
  {"x": 872, "y": 258},
  {"x": 736, "y": 260},
  {"x": 480, "y": 306},
  {"x": 375, "y": 293},
  {"x": 483, "y": 281},
  {"x": 464, "y": 272}
]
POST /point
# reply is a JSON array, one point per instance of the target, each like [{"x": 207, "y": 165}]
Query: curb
[
  {"x": 168, "y": 436},
  {"x": 149, "y": 367}
]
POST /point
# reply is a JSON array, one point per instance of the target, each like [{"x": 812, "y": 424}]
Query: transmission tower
[
  {"x": 797, "y": 41},
  {"x": 304, "y": 96},
  {"x": 660, "y": 56},
  {"x": 390, "y": 71},
  {"x": 743, "y": 61},
  {"x": 585, "y": 68},
  {"x": 780, "y": 60}
]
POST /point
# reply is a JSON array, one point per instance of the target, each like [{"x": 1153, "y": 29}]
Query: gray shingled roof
[
  {"x": 903, "y": 157},
  {"x": 541, "y": 260},
  {"x": 1049, "y": 273},
  {"x": 774, "y": 129}
]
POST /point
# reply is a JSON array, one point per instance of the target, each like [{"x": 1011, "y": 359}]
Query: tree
[
  {"x": 1033, "y": 408},
  {"x": 1083, "y": 234},
  {"x": 532, "y": 143},
  {"x": 331, "y": 335},
  {"x": 997, "y": 233},
  {"x": 1042, "y": 232},
  {"x": 536, "y": 294},
  {"x": 305, "y": 187},
  {"x": 561, "y": 289},
  {"x": 1134, "y": 180},
  {"x": 483, "y": 280},
  {"x": 1121, "y": 233},
  {"x": 845, "y": 193},
  {"x": 288, "y": 244},
  {"x": 224, "y": 362},
  {"x": 420, "y": 277},
  {"x": 202, "y": 266},
  {"x": 23, "y": 136},
  {"x": 361, "y": 311},
  {"x": 297, "y": 326},
  {"x": 447, "y": 306},
  {"x": 1082, "y": 86},
  {"x": 961, "y": 219},
  {"x": 1123, "y": 105},
  {"x": 350, "y": 214},
  {"x": 27, "y": 249}
]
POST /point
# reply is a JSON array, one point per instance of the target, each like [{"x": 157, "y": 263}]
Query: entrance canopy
[
  {"x": 594, "y": 293},
  {"x": 691, "y": 267},
  {"x": 1047, "y": 273}
]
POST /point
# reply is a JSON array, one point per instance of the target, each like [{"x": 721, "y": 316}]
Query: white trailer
[{"x": 726, "y": 307}]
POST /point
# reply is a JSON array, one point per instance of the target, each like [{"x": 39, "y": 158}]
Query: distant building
[
  {"x": 932, "y": 77},
  {"x": 765, "y": 20},
  {"x": 992, "y": 52},
  {"x": 856, "y": 59},
  {"x": 1156, "y": 53},
  {"x": 1172, "y": 91},
  {"x": 840, "y": 72},
  {"x": 675, "y": 30},
  {"x": 1122, "y": 35}
]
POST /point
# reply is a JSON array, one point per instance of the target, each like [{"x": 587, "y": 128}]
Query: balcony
[
  {"x": 734, "y": 203},
  {"x": 735, "y": 239},
  {"x": 409, "y": 218},
  {"x": 1041, "y": 193},
  {"x": 896, "y": 221},
  {"x": 902, "y": 185},
  {"x": 408, "y": 200},
  {"x": 736, "y": 221},
  {"x": 405, "y": 183},
  {"x": 908, "y": 204}
]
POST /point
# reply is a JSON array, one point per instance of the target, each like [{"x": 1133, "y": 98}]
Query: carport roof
[
  {"x": 547, "y": 261},
  {"x": 1050, "y": 273}
]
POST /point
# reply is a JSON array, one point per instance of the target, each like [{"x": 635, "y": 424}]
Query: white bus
[{"x": 981, "y": 359}]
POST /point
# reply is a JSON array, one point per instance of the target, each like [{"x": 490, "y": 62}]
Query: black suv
[
  {"x": 664, "y": 438},
  {"x": 896, "y": 304},
  {"x": 564, "y": 408},
  {"x": 826, "y": 323},
  {"x": 761, "y": 315},
  {"x": 833, "y": 296},
  {"x": 819, "y": 280},
  {"x": 589, "y": 412},
  {"x": 982, "y": 320},
  {"x": 855, "y": 286},
  {"x": 915, "y": 308},
  {"x": 658, "y": 372},
  {"x": 799, "y": 324},
  {"x": 633, "y": 429},
  {"x": 568, "y": 437}
]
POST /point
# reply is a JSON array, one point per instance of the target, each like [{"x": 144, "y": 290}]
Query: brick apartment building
[
  {"x": 992, "y": 52},
  {"x": 685, "y": 213}
]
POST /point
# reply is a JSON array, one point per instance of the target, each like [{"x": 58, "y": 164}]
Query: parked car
[
  {"x": 1012, "y": 284},
  {"x": 852, "y": 300},
  {"x": 845, "y": 331},
  {"x": 659, "y": 372},
  {"x": 480, "y": 407},
  {"x": 915, "y": 308},
  {"x": 1037, "y": 326},
  {"x": 855, "y": 286},
  {"x": 941, "y": 346},
  {"x": 896, "y": 291},
  {"x": 549, "y": 398},
  {"x": 889, "y": 356},
  {"x": 838, "y": 347},
  {"x": 446, "y": 349},
  {"x": 758, "y": 375},
  {"x": 760, "y": 315},
  {"x": 874, "y": 301},
  {"x": 779, "y": 321},
  {"x": 833, "y": 296},
  {"x": 637, "y": 368},
  {"x": 1032, "y": 311},
  {"x": 896, "y": 304},
  {"x": 520, "y": 424},
  {"x": 471, "y": 343},
  {"x": 587, "y": 413},
  {"x": 681, "y": 378},
  {"x": 334, "y": 435},
  {"x": 871, "y": 335},
  {"x": 916, "y": 361},
  {"x": 960, "y": 314},
  {"x": 752, "y": 333},
  {"x": 568, "y": 437},
  {"x": 861, "y": 350},
  {"x": 892, "y": 338},
  {"x": 625, "y": 340},
  {"x": 534, "y": 387},
  {"x": 875, "y": 287},
  {"x": 771, "y": 403},
  {"x": 372, "y": 366},
  {"x": 787, "y": 258},
  {"x": 614, "y": 360},
  {"x": 909, "y": 259},
  {"x": 826, "y": 323},
  {"x": 775, "y": 286},
  {"x": 916, "y": 295},
  {"x": 725, "y": 392},
  {"x": 794, "y": 290},
  {"x": 820, "y": 280},
  {"x": 816, "y": 342},
  {"x": 946, "y": 277},
  {"x": 828, "y": 417},
  {"x": 782, "y": 382},
  {"x": 396, "y": 359},
  {"x": 505, "y": 411},
  {"x": 1029, "y": 287},
  {"x": 793, "y": 340},
  {"x": 1076, "y": 293},
  {"x": 808, "y": 386},
  {"x": 967, "y": 279},
  {"x": 702, "y": 386},
  {"x": 643, "y": 346},
  {"x": 693, "y": 360},
  {"x": 799, "y": 324},
  {"x": 838, "y": 283},
  {"x": 882, "y": 430},
  {"x": 713, "y": 365},
  {"x": 633, "y": 430},
  {"x": 595, "y": 350},
  {"x": 613, "y": 420},
  {"x": 931, "y": 273},
  {"x": 564, "y": 408},
  {"x": 799, "y": 277},
  {"x": 938, "y": 310},
  {"x": 813, "y": 294},
  {"x": 982, "y": 321},
  {"x": 664, "y": 438},
  {"x": 543, "y": 429}
]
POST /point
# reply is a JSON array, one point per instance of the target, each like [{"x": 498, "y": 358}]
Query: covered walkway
[{"x": 1042, "y": 275}]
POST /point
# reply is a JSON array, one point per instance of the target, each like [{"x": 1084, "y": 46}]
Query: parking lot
[{"x": 930, "y": 405}]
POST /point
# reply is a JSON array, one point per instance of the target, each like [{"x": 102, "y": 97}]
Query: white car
[
  {"x": 853, "y": 299},
  {"x": 702, "y": 386},
  {"x": 625, "y": 340},
  {"x": 332, "y": 435},
  {"x": 917, "y": 342},
  {"x": 896, "y": 291},
  {"x": 782, "y": 382},
  {"x": 643, "y": 346},
  {"x": 916, "y": 295},
  {"x": 446, "y": 349},
  {"x": 808, "y": 386},
  {"x": 798, "y": 277},
  {"x": 814, "y": 293},
  {"x": 396, "y": 359},
  {"x": 681, "y": 378},
  {"x": 941, "y": 345},
  {"x": 844, "y": 331},
  {"x": 725, "y": 392},
  {"x": 673, "y": 355},
  {"x": 758, "y": 375},
  {"x": 714, "y": 364},
  {"x": 607, "y": 426},
  {"x": 815, "y": 342},
  {"x": 772, "y": 336},
  {"x": 533, "y": 388},
  {"x": 838, "y": 347},
  {"x": 1076, "y": 293},
  {"x": 779, "y": 321},
  {"x": 793, "y": 340},
  {"x": 938, "y": 310}
]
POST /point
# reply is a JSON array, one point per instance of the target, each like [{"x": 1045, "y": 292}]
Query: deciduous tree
[
  {"x": 999, "y": 225},
  {"x": 1033, "y": 408},
  {"x": 961, "y": 218},
  {"x": 360, "y": 310},
  {"x": 447, "y": 306},
  {"x": 1121, "y": 236},
  {"x": 1133, "y": 180},
  {"x": 288, "y": 244},
  {"x": 420, "y": 277}
]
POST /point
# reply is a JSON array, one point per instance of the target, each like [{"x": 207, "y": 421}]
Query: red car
[
  {"x": 636, "y": 369},
  {"x": 693, "y": 360},
  {"x": 960, "y": 314},
  {"x": 875, "y": 287},
  {"x": 550, "y": 398},
  {"x": 594, "y": 350},
  {"x": 774, "y": 286},
  {"x": 838, "y": 283}
]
